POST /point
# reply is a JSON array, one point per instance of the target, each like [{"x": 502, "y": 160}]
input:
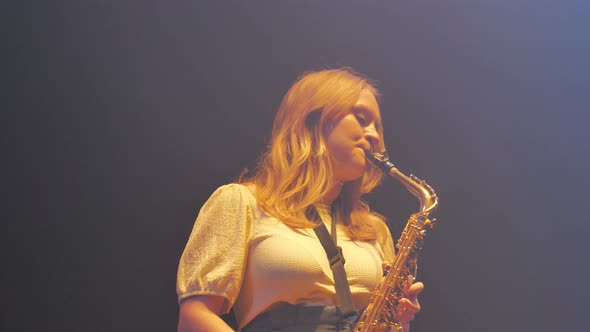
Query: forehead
[{"x": 367, "y": 103}]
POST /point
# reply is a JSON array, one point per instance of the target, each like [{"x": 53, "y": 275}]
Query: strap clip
[{"x": 338, "y": 257}]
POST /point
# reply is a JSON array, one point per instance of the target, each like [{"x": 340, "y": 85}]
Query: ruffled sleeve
[{"x": 214, "y": 258}]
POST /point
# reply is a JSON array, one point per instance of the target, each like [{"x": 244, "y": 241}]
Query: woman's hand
[{"x": 409, "y": 306}]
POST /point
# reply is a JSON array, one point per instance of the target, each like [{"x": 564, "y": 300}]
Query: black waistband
[{"x": 298, "y": 318}]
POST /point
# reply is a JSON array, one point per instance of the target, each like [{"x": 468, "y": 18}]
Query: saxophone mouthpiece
[{"x": 380, "y": 160}]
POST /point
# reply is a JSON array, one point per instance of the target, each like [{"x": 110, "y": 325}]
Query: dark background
[{"x": 126, "y": 115}]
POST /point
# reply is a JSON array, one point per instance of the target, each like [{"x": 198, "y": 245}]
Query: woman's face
[{"x": 351, "y": 135}]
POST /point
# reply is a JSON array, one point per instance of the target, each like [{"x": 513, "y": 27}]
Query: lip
[{"x": 365, "y": 146}]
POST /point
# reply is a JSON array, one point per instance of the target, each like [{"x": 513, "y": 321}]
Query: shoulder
[
  {"x": 381, "y": 230},
  {"x": 384, "y": 239},
  {"x": 234, "y": 192},
  {"x": 227, "y": 200}
]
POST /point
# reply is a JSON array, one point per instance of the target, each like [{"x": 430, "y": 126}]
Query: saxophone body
[{"x": 379, "y": 316}]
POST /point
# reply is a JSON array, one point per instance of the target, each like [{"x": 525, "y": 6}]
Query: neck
[{"x": 332, "y": 194}]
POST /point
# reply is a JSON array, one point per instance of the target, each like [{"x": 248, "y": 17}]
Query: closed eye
[{"x": 362, "y": 119}]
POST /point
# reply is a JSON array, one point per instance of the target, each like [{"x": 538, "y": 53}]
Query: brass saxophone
[{"x": 379, "y": 316}]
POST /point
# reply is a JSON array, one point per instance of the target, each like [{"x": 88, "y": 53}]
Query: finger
[
  {"x": 411, "y": 300},
  {"x": 409, "y": 306},
  {"x": 406, "y": 326},
  {"x": 414, "y": 289},
  {"x": 404, "y": 316}
]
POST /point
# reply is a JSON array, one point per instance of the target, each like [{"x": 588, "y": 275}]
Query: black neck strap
[{"x": 336, "y": 259}]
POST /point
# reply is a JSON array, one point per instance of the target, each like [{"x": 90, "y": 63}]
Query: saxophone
[{"x": 379, "y": 316}]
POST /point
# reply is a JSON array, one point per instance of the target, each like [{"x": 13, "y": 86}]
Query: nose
[{"x": 371, "y": 134}]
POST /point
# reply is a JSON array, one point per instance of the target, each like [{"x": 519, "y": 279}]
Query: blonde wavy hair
[{"x": 295, "y": 171}]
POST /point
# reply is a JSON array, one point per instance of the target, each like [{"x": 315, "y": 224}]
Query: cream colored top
[{"x": 254, "y": 261}]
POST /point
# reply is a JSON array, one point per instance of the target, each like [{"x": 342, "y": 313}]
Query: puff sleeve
[{"x": 214, "y": 258}]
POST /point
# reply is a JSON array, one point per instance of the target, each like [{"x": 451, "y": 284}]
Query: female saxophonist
[{"x": 253, "y": 246}]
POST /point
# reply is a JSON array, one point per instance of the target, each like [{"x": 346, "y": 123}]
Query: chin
[{"x": 357, "y": 175}]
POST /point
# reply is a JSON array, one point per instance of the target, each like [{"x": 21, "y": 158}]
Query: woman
[{"x": 253, "y": 247}]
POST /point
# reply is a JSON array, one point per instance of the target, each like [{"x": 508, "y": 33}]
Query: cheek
[
  {"x": 343, "y": 138},
  {"x": 339, "y": 146},
  {"x": 351, "y": 126}
]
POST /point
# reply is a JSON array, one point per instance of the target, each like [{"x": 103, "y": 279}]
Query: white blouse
[{"x": 254, "y": 261}]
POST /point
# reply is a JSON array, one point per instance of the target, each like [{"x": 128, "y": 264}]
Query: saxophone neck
[{"x": 419, "y": 188}]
